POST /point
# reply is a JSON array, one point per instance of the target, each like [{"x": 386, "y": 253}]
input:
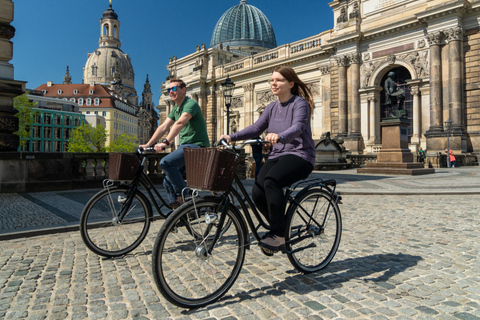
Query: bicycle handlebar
[
  {"x": 224, "y": 142},
  {"x": 145, "y": 150}
]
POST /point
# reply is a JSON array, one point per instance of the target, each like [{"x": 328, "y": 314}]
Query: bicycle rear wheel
[
  {"x": 314, "y": 228},
  {"x": 103, "y": 229},
  {"x": 186, "y": 273}
]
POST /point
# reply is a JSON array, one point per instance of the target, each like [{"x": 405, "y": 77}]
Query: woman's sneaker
[{"x": 273, "y": 242}]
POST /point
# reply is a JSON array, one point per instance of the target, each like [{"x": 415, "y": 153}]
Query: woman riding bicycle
[{"x": 292, "y": 156}]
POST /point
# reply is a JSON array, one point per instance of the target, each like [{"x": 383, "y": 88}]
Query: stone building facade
[
  {"x": 9, "y": 87},
  {"x": 431, "y": 45}
]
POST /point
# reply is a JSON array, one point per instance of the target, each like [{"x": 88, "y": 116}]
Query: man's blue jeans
[{"x": 173, "y": 165}]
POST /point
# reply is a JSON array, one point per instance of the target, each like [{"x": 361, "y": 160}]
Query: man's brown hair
[{"x": 181, "y": 83}]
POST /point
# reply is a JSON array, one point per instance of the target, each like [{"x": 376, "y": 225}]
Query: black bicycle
[
  {"x": 194, "y": 269},
  {"x": 117, "y": 219}
]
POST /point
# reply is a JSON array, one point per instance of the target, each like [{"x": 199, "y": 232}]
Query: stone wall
[
  {"x": 47, "y": 171},
  {"x": 472, "y": 87}
]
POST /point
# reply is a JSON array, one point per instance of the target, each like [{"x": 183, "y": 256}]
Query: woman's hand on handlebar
[
  {"x": 226, "y": 137},
  {"x": 272, "y": 138}
]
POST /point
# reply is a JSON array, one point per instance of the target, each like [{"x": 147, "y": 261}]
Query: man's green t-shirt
[{"x": 195, "y": 131}]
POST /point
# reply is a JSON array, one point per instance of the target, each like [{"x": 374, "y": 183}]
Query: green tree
[
  {"x": 86, "y": 138},
  {"x": 123, "y": 143},
  {"x": 26, "y": 115}
]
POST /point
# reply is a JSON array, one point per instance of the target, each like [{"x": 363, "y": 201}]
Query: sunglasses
[{"x": 174, "y": 89}]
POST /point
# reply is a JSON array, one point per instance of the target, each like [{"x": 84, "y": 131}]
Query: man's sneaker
[
  {"x": 273, "y": 242},
  {"x": 177, "y": 203}
]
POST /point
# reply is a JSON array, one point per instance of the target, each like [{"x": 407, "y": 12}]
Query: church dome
[
  {"x": 244, "y": 26},
  {"x": 110, "y": 14},
  {"x": 108, "y": 65}
]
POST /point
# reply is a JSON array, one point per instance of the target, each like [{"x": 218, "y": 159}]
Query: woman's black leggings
[{"x": 267, "y": 192}]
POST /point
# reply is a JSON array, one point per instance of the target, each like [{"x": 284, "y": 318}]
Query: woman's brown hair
[{"x": 299, "y": 88}]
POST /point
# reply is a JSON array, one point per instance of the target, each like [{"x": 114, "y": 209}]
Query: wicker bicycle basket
[
  {"x": 122, "y": 166},
  {"x": 210, "y": 168}
]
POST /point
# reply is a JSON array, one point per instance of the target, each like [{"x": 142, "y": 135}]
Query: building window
[
  {"x": 104, "y": 113},
  {"x": 75, "y": 91},
  {"x": 89, "y": 101},
  {"x": 91, "y": 91},
  {"x": 80, "y": 101},
  {"x": 72, "y": 99},
  {"x": 88, "y": 112},
  {"x": 97, "y": 101},
  {"x": 95, "y": 112},
  {"x": 94, "y": 70},
  {"x": 59, "y": 91}
]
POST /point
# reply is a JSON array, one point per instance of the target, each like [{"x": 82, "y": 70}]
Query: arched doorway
[{"x": 401, "y": 77}]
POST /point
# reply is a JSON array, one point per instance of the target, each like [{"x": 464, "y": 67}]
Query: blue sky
[{"x": 53, "y": 34}]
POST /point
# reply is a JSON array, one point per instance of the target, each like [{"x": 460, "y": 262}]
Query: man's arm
[
  {"x": 178, "y": 125},
  {"x": 159, "y": 132}
]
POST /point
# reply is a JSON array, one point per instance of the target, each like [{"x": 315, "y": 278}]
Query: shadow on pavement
[{"x": 332, "y": 277}]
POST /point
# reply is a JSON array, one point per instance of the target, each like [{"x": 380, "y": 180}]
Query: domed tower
[
  {"x": 244, "y": 28},
  {"x": 108, "y": 65}
]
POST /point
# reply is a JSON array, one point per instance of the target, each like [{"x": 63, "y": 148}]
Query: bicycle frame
[
  {"x": 243, "y": 196},
  {"x": 142, "y": 180}
]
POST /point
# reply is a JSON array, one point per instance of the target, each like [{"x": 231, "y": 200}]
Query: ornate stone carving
[
  {"x": 355, "y": 58},
  {"x": 420, "y": 62},
  {"x": 435, "y": 38},
  {"x": 366, "y": 56},
  {"x": 342, "y": 60},
  {"x": 265, "y": 97},
  {"x": 237, "y": 102},
  {"x": 325, "y": 69},
  {"x": 421, "y": 43},
  {"x": 366, "y": 71},
  {"x": 342, "y": 18},
  {"x": 248, "y": 87},
  {"x": 391, "y": 59},
  {"x": 454, "y": 34},
  {"x": 314, "y": 88},
  {"x": 355, "y": 12}
]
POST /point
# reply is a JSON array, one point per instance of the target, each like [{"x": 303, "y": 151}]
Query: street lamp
[
  {"x": 228, "y": 87},
  {"x": 448, "y": 126}
]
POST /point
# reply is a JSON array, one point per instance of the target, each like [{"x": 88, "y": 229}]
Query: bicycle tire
[
  {"x": 183, "y": 271},
  {"x": 314, "y": 228},
  {"x": 101, "y": 231}
]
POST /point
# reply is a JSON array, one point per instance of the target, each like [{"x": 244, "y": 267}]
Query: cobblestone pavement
[
  {"x": 401, "y": 257},
  {"x": 28, "y": 214},
  {"x": 409, "y": 251}
]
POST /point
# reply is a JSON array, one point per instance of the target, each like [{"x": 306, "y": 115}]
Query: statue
[{"x": 394, "y": 95}]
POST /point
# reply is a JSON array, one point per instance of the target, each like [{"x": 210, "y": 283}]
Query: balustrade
[
  {"x": 42, "y": 171},
  {"x": 305, "y": 46}
]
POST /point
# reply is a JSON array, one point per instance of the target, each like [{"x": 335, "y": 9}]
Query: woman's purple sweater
[{"x": 291, "y": 121}]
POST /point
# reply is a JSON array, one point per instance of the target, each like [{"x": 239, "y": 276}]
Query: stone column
[
  {"x": 454, "y": 38},
  {"x": 248, "y": 107},
  {"x": 342, "y": 96},
  {"x": 9, "y": 88},
  {"x": 436, "y": 119},
  {"x": 417, "y": 114},
  {"x": 372, "y": 116},
  {"x": 325, "y": 85},
  {"x": 355, "y": 94}
]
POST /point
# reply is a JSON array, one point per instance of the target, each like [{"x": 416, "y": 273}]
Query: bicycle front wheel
[
  {"x": 314, "y": 228},
  {"x": 115, "y": 222},
  {"x": 190, "y": 267}
]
